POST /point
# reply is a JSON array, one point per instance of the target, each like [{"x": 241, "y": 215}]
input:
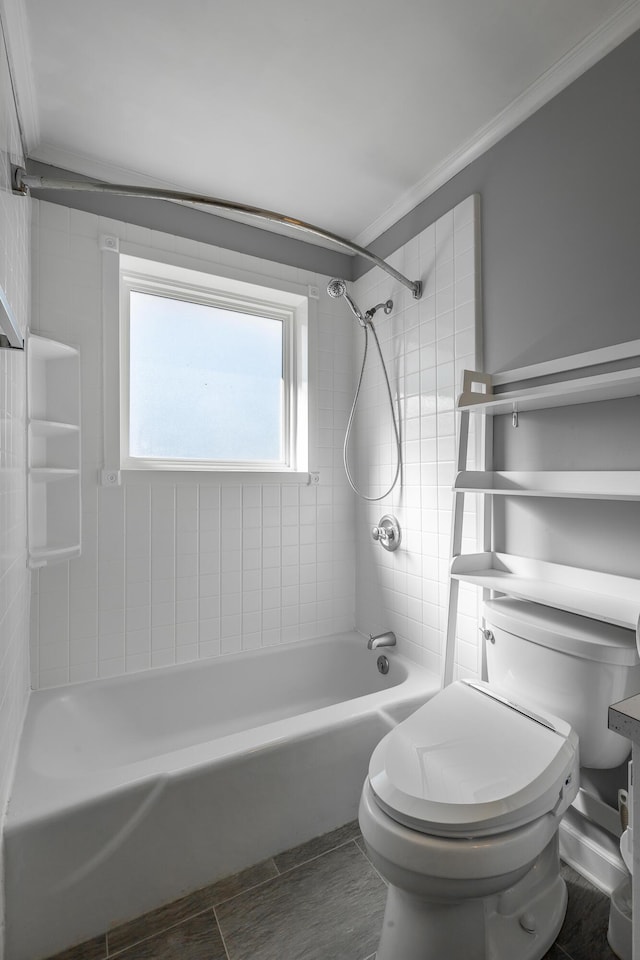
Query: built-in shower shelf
[
  {"x": 41, "y": 557},
  {"x": 53, "y": 451},
  {"x": 601, "y": 596},
  {"x": 605, "y": 386},
  {"x": 48, "y": 474},
  {"x": 52, "y": 428},
  {"x": 569, "y": 484}
]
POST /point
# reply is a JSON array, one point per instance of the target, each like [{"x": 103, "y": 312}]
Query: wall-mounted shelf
[
  {"x": 51, "y": 474},
  {"x": 569, "y": 484},
  {"x": 588, "y": 593},
  {"x": 53, "y": 451},
  {"x": 606, "y": 386},
  {"x": 605, "y": 597}
]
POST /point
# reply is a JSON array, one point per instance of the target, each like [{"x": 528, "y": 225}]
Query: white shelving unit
[
  {"x": 600, "y": 596},
  {"x": 53, "y": 451},
  {"x": 608, "y": 386},
  {"x": 569, "y": 484}
]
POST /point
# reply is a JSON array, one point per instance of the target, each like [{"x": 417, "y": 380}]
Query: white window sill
[{"x": 215, "y": 477}]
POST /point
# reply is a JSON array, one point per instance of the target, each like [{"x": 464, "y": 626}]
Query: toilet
[{"x": 462, "y": 803}]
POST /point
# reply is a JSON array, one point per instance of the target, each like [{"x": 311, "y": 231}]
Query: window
[{"x": 213, "y": 372}]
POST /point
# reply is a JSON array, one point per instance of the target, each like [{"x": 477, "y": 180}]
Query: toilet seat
[{"x": 469, "y": 763}]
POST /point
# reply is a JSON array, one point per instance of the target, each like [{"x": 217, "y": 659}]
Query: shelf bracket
[{"x": 472, "y": 379}]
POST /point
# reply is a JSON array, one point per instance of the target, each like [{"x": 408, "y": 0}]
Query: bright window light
[
  {"x": 212, "y": 376},
  {"x": 213, "y": 393}
]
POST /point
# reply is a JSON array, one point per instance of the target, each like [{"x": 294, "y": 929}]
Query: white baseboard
[{"x": 592, "y": 852}]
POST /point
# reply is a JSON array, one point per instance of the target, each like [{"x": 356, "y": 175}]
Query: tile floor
[{"x": 320, "y": 901}]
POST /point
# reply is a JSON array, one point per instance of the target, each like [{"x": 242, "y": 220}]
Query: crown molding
[
  {"x": 16, "y": 29},
  {"x": 576, "y": 62}
]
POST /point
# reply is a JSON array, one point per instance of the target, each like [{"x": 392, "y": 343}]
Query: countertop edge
[{"x": 624, "y": 718}]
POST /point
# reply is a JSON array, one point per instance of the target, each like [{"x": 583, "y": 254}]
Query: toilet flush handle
[{"x": 487, "y": 634}]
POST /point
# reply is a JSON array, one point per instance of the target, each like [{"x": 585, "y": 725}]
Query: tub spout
[{"x": 387, "y": 639}]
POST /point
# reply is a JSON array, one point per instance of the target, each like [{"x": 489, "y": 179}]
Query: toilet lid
[{"x": 469, "y": 763}]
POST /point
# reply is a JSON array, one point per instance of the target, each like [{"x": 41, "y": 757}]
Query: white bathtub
[{"x": 132, "y": 791}]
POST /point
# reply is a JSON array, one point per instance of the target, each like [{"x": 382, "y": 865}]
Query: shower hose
[{"x": 366, "y": 325}]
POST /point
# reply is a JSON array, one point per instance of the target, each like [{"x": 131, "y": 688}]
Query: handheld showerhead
[{"x": 338, "y": 288}]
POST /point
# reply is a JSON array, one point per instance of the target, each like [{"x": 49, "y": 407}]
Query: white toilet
[{"x": 461, "y": 807}]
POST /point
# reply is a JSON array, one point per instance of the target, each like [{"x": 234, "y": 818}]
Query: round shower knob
[{"x": 387, "y": 532}]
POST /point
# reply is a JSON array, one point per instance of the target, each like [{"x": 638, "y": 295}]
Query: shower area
[{"x": 173, "y": 569}]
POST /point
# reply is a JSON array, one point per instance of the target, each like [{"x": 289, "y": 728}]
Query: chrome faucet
[{"x": 387, "y": 639}]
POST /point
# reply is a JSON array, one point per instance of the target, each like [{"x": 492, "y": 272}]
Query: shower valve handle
[
  {"x": 387, "y": 533},
  {"x": 382, "y": 533}
]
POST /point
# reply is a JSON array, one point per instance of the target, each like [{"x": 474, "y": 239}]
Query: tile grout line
[
  {"x": 136, "y": 943},
  {"x": 372, "y": 865},
  {"x": 566, "y": 953},
  {"x": 189, "y": 916},
  {"x": 303, "y": 863},
  {"x": 224, "y": 942}
]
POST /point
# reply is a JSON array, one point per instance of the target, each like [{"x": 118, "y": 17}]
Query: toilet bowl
[
  {"x": 460, "y": 814},
  {"x": 463, "y": 801}
]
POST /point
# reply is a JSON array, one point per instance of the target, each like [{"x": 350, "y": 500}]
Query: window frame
[{"x": 237, "y": 290}]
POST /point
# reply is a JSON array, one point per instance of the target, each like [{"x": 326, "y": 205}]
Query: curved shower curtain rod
[{"x": 22, "y": 183}]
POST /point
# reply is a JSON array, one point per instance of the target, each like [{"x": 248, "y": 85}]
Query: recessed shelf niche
[{"x": 53, "y": 451}]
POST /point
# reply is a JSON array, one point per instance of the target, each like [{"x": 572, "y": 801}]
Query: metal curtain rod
[{"x": 22, "y": 183}]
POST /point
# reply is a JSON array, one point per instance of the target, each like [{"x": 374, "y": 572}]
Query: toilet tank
[{"x": 572, "y": 666}]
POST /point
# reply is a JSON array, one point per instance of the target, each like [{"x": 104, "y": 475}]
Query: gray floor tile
[
  {"x": 197, "y": 938},
  {"x": 556, "y": 953},
  {"x": 330, "y": 907},
  {"x": 317, "y": 846},
  {"x": 584, "y": 932},
  {"x": 231, "y": 886},
  {"x": 95, "y": 949},
  {"x": 172, "y": 913}
]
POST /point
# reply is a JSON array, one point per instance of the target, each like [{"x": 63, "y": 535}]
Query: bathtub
[{"x": 133, "y": 791}]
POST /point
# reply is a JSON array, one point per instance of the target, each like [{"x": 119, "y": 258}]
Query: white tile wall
[
  {"x": 426, "y": 345},
  {"x": 14, "y": 576},
  {"x": 14, "y": 579},
  {"x": 172, "y": 572},
  {"x": 169, "y": 571}
]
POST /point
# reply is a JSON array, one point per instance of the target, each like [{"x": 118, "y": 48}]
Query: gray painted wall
[
  {"x": 599, "y": 535},
  {"x": 560, "y": 220}
]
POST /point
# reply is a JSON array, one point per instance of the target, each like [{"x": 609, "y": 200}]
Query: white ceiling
[{"x": 344, "y": 113}]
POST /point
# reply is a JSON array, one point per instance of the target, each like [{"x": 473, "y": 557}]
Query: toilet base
[{"x": 521, "y": 922}]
